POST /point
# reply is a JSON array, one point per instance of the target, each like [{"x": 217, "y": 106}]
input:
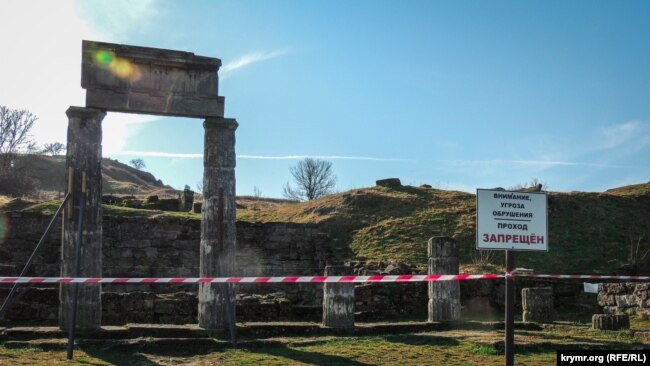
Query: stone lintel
[
  {"x": 154, "y": 56},
  {"x": 145, "y": 80}
]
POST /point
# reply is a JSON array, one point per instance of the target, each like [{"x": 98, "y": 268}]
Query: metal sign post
[{"x": 510, "y": 309}]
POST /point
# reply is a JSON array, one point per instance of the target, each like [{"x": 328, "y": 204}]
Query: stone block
[
  {"x": 444, "y": 297},
  {"x": 338, "y": 300},
  {"x": 642, "y": 287},
  {"x": 610, "y": 321},
  {"x": 616, "y": 288},
  {"x": 154, "y": 81},
  {"x": 611, "y": 310},
  {"x": 626, "y": 301},
  {"x": 389, "y": 182},
  {"x": 537, "y": 304},
  {"x": 606, "y": 300},
  {"x": 151, "y": 252}
]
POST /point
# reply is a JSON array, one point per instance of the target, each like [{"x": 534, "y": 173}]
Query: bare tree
[
  {"x": 314, "y": 178},
  {"x": 15, "y": 125},
  {"x": 16, "y": 146},
  {"x": 257, "y": 193},
  {"x": 138, "y": 163},
  {"x": 54, "y": 148}
]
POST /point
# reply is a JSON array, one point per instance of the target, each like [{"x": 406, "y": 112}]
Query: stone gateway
[{"x": 134, "y": 79}]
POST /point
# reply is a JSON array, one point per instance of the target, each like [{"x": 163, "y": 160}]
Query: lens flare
[
  {"x": 123, "y": 69},
  {"x": 120, "y": 67},
  {"x": 104, "y": 57}
]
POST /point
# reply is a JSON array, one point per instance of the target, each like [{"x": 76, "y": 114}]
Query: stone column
[
  {"x": 186, "y": 200},
  {"x": 537, "y": 304},
  {"x": 83, "y": 158},
  {"x": 444, "y": 297},
  {"x": 218, "y": 230},
  {"x": 338, "y": 299}
]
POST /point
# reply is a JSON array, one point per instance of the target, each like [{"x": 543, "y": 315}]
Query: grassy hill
[
  {"x": 47, "y": 174},
  {"x": 588, "y": 232}
]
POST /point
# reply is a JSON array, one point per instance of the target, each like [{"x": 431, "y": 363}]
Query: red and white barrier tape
[
  {"x": 285, "y": 279},
  {"x": 584, "y": 277},
  {"x": 314, "y": 279}
]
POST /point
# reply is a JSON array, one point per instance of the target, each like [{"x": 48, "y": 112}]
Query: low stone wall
[
  {"x": 168, "y": 247},
  {"x": 624, "y": 298},
  {"x": 281, "y": 302}
]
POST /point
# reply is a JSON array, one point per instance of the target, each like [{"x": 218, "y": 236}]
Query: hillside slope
[
  {"x": 588, "y": 232},
  {"x": 48, "y": 175}
]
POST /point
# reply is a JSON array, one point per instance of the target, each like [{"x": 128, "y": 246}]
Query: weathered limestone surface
[
  {"x": 537, "y": 304},
  {"x": 83, "y": 159},
  {"x": 444, "y": 297},
  {"x": 150, "y": 80},
  {"x": 610, "y": 321},
  {"x": 218, "y": 224},
  {"x": 338, "y": 299},
  {"x": 389, "y": 182},
  {"x": 624, "y": 298},
  {"x": 186, "y": 201}
]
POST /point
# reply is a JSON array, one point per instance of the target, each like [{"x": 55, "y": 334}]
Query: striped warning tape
[
  {"x": 584, "y": 277},
  {"x": 313, "y": 279},
  {"x": 284, "y": 279}
]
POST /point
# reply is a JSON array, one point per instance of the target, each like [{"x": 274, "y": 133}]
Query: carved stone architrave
[{"x": 148, "y": 80}]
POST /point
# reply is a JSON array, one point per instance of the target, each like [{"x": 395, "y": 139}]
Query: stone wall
[
  {"x": 169, "y": 247},
  {"x": 624, "y": 298}
]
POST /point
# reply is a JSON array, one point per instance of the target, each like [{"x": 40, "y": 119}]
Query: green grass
[
  {"x": 532, "y": 348},
  {"x": 50, "y": 207}
]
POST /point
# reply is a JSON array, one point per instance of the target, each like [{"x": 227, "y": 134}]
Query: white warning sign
[{"x": 511, "y": 220}]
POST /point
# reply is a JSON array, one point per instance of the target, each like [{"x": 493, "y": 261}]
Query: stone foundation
[{"x": 624, "y": 298}]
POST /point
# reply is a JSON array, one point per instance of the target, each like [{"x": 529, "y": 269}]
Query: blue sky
[{"x": 456, "y": 94}]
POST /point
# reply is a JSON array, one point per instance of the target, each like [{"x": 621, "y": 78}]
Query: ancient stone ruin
[{"x": 154, "y": 81}]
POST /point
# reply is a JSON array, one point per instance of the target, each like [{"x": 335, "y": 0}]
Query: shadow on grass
[
  {"x": 113, "y": 355},
  {"x": 120, "y": 356},
  {"x": 421, "y": 340},
  {"x": 130, "y": 354},
  {"x": 311, "y": 358}
]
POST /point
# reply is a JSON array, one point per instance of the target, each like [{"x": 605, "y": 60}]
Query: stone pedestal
[
  {"x": 537, "y": 304},
  {"x": 83, "y": 160},
  {"x": 218, "y": 231},
  {"x": 186, "y": 200},
  {"x": 444, "y": 297},
  {"x": 338, "y": 300},
  {"x": 610, "y": 321}
]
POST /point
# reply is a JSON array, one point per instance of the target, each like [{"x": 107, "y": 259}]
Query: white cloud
[
  {"x": 226, "y": 70},
  {"x": 632, "y": 135},
  {"x": 162, "y": 154}
]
